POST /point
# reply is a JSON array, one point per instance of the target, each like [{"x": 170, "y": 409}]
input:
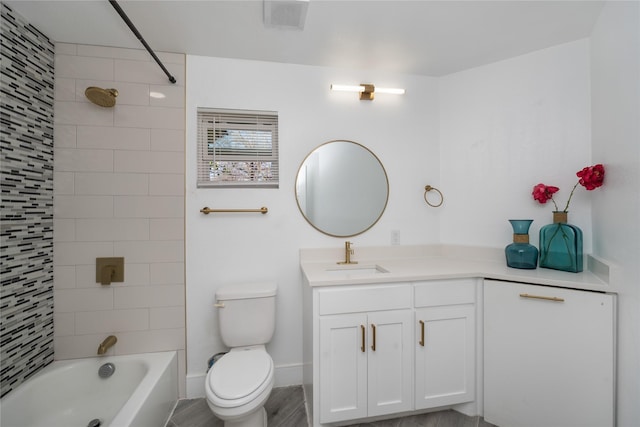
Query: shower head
[{"x": 101, "y": 97}]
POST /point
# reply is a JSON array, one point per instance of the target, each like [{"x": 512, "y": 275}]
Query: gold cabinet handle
[
  {"x": 363, "y": 330},
  {"x": 373, "y": 344},
  {"x": 421, "y": 333},
  {"x": 556, "y": 299}
]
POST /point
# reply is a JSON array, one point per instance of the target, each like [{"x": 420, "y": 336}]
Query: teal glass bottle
[
  {"x": 521, "y": 254},
  {"x": 561, "y": 245}
]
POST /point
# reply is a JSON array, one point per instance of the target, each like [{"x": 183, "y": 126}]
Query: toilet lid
[{"x": 239, "y": 373}]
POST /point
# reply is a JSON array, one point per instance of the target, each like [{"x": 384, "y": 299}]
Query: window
[{"x": 237, "y": 148}]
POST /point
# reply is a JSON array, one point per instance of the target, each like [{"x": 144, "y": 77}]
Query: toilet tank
[{"x": 246, "y": 313}]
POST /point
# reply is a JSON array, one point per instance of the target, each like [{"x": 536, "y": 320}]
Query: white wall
[
  {"x": 232, "y": 248},
  {"x": 119, "y": 192},
  {"x": 506, "y": 127},
  {"x": 615, "y": 65}
]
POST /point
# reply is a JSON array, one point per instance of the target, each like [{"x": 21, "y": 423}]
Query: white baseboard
[{"x": 285, "y": 375}]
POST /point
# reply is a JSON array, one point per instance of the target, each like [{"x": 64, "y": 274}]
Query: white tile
[
  {"x": 136, "y": 274},
  {"x": 167, "y": 140},
  {"x": 147, "y": 72},
  {"x": 148, "y": 207},
  {"x": 170, "y": 162},
  {"x": 76, "y": 346},
  {"x": 166, "y": 229},
  {"x": 150, "y": 341},
  {"x": 166, "y": 184},
  {"x": 64, "y": 277},
  {"x": 72, "y": 253},
  {"x": 113, "y": 52},
  {"x": 79, "y": 67},
  {"x": 64, "y": 89},
  {"x": 117, "y": 184},
  {"x": 83, "y": 206},
  {"x": 131, "y": 161},
  {"x": 65, "y": 49},
  {"x": 63, "y": 183},
  {"x": 64, "y": 230},
  {"x": 79, "y": 299},
  {"x": 167, "y": 162},
  {"x": 151, "y": 251},
  {"x": 171, "y": 96},
  {"x": 64, "y": 136},
  {"x": 82, "y": 113},
  {"x": 132, "y": 94},
  {"x": 149, "y": 296},
  {"x": 172, "y": 58},
  {"x": 149, "y": 117},
  {"x": 111, "y": 321},
  {"x": 63, "y": 324},
  {"x": 109, "y": 137},
  {"x": 167, "y": 273},
  {"x": 82, "y": 160},
  {"x": 166, "y": 317},
  {"x": 111, "y": 229},
  {"x": 86, "y": 276}
]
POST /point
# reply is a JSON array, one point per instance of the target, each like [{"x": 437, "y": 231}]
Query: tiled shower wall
[
  {"x": 119, "y": 192},
  {"x": 26, "y": 248}
]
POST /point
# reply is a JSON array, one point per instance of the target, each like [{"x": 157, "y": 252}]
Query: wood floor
[{"x": 285, "y": 408}]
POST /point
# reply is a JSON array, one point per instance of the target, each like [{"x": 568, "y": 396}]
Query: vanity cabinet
[
  {"x": 365, "y": 352},
  {"x": 391, "y": 348},
  {"x": 549, "y": 356},
  {"x": 445, "y": 353}
]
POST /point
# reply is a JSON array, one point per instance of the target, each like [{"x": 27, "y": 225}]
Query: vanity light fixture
[{"x": 367, "y": 90}]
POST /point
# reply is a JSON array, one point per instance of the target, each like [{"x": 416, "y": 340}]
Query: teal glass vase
[
  {"x": 561, "y": 245},
  {"x": 521, "y": 254}
]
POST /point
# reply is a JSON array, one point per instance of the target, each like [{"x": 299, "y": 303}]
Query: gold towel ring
[{"x": 429, "y": 188}]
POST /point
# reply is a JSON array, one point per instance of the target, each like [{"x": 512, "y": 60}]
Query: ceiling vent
[{"x": 287, "y": 14}]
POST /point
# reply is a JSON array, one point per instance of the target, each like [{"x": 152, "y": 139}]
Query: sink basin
[{"x": 355, "y": 270}]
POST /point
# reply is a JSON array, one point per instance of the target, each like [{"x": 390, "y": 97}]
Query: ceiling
[{"x": 420, "y": 37}]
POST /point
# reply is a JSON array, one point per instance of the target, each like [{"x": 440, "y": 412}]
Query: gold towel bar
[{"x": 207, "y": 211}]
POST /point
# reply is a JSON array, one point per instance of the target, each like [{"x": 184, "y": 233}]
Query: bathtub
[{"x": 141, "y": 392}]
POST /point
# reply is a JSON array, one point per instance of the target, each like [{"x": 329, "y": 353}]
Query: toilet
[{"x": 239, "y": 383}]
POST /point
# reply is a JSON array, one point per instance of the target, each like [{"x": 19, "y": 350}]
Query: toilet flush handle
[{"x": 219, "y": 305}]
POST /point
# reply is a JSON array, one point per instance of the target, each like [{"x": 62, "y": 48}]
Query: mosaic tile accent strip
[{"x": 26, "y": 204}]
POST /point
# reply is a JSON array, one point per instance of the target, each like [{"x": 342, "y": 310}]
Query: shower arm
[{"x": 132, "y": 27}]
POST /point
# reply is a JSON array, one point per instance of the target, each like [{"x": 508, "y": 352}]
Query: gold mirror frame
[{"x": 366, "y": 226}]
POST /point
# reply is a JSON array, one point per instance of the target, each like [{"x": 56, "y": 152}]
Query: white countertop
[{"x": 432, "y": 262}]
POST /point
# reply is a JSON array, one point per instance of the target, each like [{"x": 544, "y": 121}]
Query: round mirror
[{"x": 342, "y": 188}]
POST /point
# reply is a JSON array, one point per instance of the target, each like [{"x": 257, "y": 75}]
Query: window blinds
[{"x": 237, "y": 148}]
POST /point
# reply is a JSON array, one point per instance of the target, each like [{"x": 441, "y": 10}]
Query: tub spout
[{"x": 110, "y": 341}]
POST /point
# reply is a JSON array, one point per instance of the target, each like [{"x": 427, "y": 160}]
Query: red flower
[
  {"x": 543, "y": 193},
  {"x": 591, "y": 177}
]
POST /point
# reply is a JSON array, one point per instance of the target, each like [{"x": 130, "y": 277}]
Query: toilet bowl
[
  {"x": 240, "y": 382},
  {"x": 238, "y": 385}
]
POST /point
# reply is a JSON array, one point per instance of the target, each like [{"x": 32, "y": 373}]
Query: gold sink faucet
[
  {"x": 347, "y": 254},
  {"x": 110, "y": 341}
]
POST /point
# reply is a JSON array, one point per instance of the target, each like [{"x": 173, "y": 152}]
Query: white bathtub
[{"x": 141, "y": 392}]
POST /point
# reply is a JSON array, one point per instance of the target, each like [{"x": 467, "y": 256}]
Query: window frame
[{"x": 213, "y": 122}]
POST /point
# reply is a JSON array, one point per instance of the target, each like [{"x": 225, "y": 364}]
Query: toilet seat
[{"x": 239, "y": 377}]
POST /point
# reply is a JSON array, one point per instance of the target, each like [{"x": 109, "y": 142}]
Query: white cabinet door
[
  {"x": 366, "y": 365},
  {"x": 390, "y": 362},
  {"x": 343, "y": 367},
  {"x": 548, "y": 356},
  {"x": 445, "y": 355}
]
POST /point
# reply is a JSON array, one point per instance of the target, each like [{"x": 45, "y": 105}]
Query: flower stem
[{"x": 566, "y": 207}]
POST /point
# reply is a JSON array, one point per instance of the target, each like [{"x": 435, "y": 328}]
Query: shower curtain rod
[{"x": 132, "y": 27}]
